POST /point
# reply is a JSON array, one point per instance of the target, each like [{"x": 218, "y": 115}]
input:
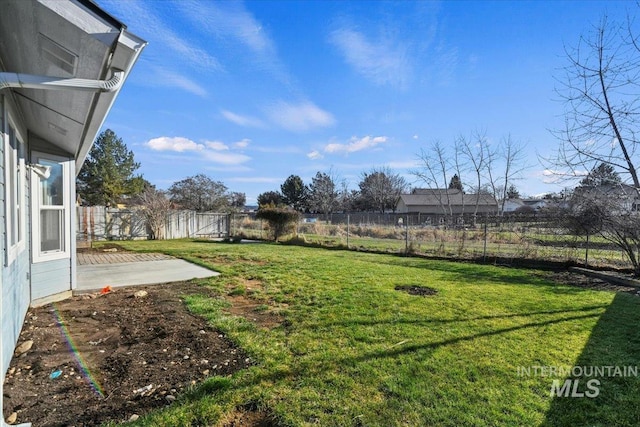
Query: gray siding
[
  {"x": 15, "y": 302},
  {"x": 50, "y": 278},
  {"x": 15, "y": 276}
]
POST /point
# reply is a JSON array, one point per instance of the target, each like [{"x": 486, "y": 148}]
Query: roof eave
[{"x": 128, "y": 50}]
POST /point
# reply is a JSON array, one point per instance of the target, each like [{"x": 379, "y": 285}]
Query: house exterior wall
[
  {"x": 50, "y": 278},
  {"x": 53, "y": 279},
  {"x": 15, "y": 269},
  {"x": 36, "y": 261}
]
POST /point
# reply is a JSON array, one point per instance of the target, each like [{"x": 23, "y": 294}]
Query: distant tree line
[{"x": 378, "y": 190}]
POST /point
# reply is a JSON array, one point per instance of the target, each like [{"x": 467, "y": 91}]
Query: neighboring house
[
  {"x": 62, "y": 64},
  {"x": 536, "y": 204},
  {"x": 621, "y": 198},
  {"x": 437, "y": 204},
  {"x": 513, "y": 205}
]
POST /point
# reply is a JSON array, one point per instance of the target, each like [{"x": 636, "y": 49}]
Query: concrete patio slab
[{"x": 138, "y": 269}]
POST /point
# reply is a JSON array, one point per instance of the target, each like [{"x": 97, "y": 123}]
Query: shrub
[{"x": 280, "y": 219}]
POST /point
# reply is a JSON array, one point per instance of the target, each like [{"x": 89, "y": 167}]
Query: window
[
  {"x": 51, "y": 209},
  {"x": 15, "y": 212}
]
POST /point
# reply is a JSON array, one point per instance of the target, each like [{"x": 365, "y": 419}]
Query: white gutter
[{"x": 29, "y": 81}]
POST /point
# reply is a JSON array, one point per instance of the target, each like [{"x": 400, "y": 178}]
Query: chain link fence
[{"x": 510, "y": 240}]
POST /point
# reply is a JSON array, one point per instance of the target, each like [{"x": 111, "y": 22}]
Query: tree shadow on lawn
[
  {"x": 614, "y": 342},
  {"x": 472, "y": 273},
  {"x": 435, "y": 345},
  {"x": 463, "y": 269},
  {"x": 368, "y": 321}
]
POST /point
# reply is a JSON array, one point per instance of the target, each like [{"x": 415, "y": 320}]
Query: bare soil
[
  {"x": 111, "y": 356},
  {"x": 416, "y": 290},
  {"x": 102, "y": 357}
]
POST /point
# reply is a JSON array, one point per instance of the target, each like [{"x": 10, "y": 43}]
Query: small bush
[{"x": 280, "y": 219}]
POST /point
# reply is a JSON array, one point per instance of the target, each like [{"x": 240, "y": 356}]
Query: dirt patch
[
  {"x": 416, "y": 290},
  {"x": 582, "y": 281},
  {"x": 249, "y": 415},
  {"x": 246, "y": 301},
  {"x": 254, "y": 311},
  {"x": 126, "y": 355}
]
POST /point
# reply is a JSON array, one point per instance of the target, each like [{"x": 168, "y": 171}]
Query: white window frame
[
  {"x": 15, "y": 187},
  {"x": 65, "y": 252}
]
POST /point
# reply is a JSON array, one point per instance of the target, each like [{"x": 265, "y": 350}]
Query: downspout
[{"x": 30, "y": 81}]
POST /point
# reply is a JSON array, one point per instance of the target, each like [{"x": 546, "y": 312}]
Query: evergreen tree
[
  {"x": 294, "y": 193},
  {"x": 323, "y": 196},
  {"x": 272, "y": 198},
  {"x": 107, "y": 177},
  {"x": 603, "y": 174},
  {"x": 512, "y": 192},
  {"x": 455, "y": 183}
]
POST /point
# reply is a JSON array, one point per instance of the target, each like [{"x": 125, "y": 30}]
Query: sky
[{"x": 249, "y": 93}]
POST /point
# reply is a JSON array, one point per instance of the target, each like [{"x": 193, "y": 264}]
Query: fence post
[
  {"x": 406, "y": 235},
  {"x": 586, "y": 253},
  {"x": 484, "y": 249},
  {"x": 348, "y": 221}
]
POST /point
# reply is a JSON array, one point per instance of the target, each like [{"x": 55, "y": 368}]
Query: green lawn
[{"x": 353, "y": 351}]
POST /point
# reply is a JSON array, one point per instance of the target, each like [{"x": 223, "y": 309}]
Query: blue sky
[{"x": 249, "y": 93}]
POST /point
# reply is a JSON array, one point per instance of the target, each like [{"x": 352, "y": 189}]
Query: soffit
[{"x": 60, "y": 39}]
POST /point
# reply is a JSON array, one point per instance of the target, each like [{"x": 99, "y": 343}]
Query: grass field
[{"x": 353, "y": 351}]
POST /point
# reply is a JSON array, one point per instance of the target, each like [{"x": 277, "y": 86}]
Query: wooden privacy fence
[{"x": 102, "y": 223}]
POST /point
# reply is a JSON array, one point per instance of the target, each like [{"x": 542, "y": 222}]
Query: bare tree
[
  {"x": 199, "y": 193},
  {"x": 434, "y": 163},
  {"x": 504, "y": 167},
  {"x": 601, "y": 92},
  {"x": 478, "y": 156},
  {"x": 154, "y": 207},
  {"x": 380, "y": 189}
]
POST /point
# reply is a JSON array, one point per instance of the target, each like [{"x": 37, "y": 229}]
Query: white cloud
[
  {"x": 383, "y": 62},
  {"x": 241, "y": 120},
  {"x": 415, "y": 136},
  {"x": 550, "y": 176},
  {"x": 355, "y": 144},
  {"x": 216, "y": 145},
  {"x": 299, "y": 117},
  {"x": 214, "y": 151},
  {"x": 178, "y": 144},
  {"x": 244, "y": 143},
  {"x": 315, "y": 155}
]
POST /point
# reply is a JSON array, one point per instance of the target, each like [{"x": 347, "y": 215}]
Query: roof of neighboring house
[
  {"x": 518, "y": 202},
  {"x": 534, "y": 202},
  {"x": 436, "y": 197},
  {"x": 606, "y": 190},
  {"x": 64, "y": 40}
]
